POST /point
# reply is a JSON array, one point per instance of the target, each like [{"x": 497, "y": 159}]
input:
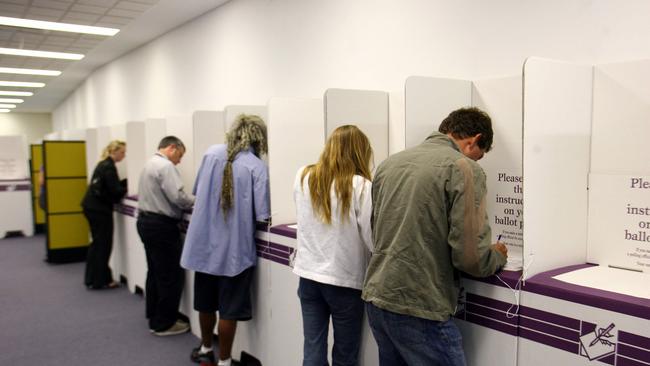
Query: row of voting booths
[{"x": 569, "y": 161}]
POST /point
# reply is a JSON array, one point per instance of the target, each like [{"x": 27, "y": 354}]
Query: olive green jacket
[{"x": 428, "y": 223}]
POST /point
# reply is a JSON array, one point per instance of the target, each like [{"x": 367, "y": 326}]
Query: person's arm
[
  {"x": 262, "y": 195},
  {"x": 116, "y": 190},
  {"x": 363, "y": 208},
  {"x": 469, "y": 229},
  {"x": 172, "y": 187}
]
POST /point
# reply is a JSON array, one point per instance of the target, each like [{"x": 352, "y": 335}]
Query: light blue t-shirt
[{"x": 225, "y": 246}]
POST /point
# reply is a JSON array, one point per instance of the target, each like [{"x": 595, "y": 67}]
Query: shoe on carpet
[
  {"x": 196, "y": 355},
  {"x": 204, "y": 360},
  {"x": 177, "y": 328}
]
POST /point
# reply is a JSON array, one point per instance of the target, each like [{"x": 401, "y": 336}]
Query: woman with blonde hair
[
  {"x": 333, "y": 206},
  {"x": 105, "y": 189}
]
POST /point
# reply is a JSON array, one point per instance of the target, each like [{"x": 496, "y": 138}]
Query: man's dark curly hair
[{"x": 468, "y": 122}]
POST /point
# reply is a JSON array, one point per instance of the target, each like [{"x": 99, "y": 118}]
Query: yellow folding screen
[
  {"x": 65, "y": 185},
  {"x": 36, "y": 153}
]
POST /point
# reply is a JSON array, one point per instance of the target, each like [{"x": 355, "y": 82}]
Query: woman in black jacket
[{"x": 105, "y": 189}]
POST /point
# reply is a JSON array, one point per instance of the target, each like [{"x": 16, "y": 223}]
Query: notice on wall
[
  {"x": 506, "y": 211},
  {"x": 619, "y": 221},
  {"x": 13, "y": 158}
]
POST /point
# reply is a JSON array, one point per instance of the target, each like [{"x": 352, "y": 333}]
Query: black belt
[{"x": 157, "y": 216}]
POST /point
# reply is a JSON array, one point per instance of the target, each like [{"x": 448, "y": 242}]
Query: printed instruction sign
[
  {"x": 506, "y": 210},
  {"x": 619, "y": 221}
]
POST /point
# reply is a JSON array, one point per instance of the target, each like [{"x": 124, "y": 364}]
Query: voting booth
[
  {"x": 487, "y": 313},
  {"x": 36, "y": 165},
  {"x": 586, "y": 296},
  {"x": 15, "y": 187},
  {"x": 568, "y": 160},
  {"x": 64, "y": 167}
]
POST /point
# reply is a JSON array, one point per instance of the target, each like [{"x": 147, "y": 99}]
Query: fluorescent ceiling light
[
  {"x": 44, "y": 54},
  {"x": 23, "y": 84},
  {"x": 13, "y": 70},
  {"x": 10, "y": 100},
  {"x": 5, "y": 110},
  {"x": 16, "y": 94},
  {"x": 62, "y": 27},
  {"x": 7, "y": 106}
]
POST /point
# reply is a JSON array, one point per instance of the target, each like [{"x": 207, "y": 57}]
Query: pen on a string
[{"x": 499, "y": 238}]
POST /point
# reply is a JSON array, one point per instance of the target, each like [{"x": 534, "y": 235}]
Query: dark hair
[
  {"x": 468, "y": 122},
  {"x": 171, "y": 140}
]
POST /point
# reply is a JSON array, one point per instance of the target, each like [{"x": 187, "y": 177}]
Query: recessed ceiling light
[
  {"x": 16, "y": 93},
  {"x": 62, "y": 27},
  {"x": 10, "y": 100},
  {"x": 44, "y": 54},
  {"x": 7, "y": 106},
  {"x": 23, "y": 84},
  {"x": 5, "y": 110},
  {"x": 13, "y": 70}
]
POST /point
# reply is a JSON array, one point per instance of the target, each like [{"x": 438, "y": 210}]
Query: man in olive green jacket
[{"x": 429, "y": 223}]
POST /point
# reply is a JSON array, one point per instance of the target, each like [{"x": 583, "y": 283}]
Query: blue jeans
[
  {"x": 318, "y": 302},
  {"x": 407, "y": 340}
]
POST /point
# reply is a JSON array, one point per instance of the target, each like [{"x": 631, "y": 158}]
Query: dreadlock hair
[
  {"x": 347, "y": 153},
  {"x": 247, "y": 131}
]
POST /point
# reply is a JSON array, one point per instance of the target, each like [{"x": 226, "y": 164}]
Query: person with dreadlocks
[{"x": 232, "y": 192}]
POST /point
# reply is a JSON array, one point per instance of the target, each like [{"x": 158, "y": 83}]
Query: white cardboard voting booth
[
  {"x": 574, "y": 135},
  {"x": 15, "y": 186}
]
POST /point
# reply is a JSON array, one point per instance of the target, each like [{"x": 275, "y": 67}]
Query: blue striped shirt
[{"x": 225, "y": 246}]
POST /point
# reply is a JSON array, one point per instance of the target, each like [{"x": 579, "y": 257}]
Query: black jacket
[{"x": 105, "y": 188}]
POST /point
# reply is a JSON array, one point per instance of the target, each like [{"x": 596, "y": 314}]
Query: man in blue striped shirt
[{"x": 232, "y": 191}]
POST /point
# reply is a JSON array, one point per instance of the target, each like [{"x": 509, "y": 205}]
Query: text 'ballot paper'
[{"x": 599, "y": 343}]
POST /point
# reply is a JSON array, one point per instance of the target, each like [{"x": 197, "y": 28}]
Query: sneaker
[
  {"x": 205, "y": 360},
  {"x": 177, "y": 328},
  {"x": 196, "y": 355}
]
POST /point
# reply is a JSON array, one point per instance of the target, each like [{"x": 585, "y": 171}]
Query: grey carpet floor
[{"x": 48, "y": 317}]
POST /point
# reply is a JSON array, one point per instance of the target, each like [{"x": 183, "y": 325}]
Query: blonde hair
[
  {"x": 347, "y": 153},
  {"x": 247, "y": 131},
  {"x": 112, "y": 147}
]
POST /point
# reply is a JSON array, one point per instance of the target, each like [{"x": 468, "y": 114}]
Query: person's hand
[{"x": 501, "y": 248}]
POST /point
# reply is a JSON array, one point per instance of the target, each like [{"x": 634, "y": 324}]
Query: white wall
[
  {"x": 247, "y": 51},
  {"x": 33, "y": 125}
]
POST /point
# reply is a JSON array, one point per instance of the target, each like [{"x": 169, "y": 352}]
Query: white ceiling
[{"x": 139, "y": 21}]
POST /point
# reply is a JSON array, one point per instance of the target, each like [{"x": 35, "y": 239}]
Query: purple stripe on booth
[
  {"x": 610, "y": 360},
  {"x": 280, "y": 247},
  {"x": 133, "y": 197},
  {"x": 568, "y": 334},
  {"x": 549, "y": 340},
  {"x": 15, "y": 187},
  {"x": 486, "y": 301},
  {"x": 492, "y": 324},
  {"x": 277, "y": 253},
  {"x": 624, "y": 361},
  {"x": 491, "y": 313},
  {"x": 273, "y": 258},
  {"x": 545, "y": 284},
  {"x": 634, "y": 340},
  {"x": 284, "y": 230},
  {"x": 633, "y": 352},
  {"x": 509, "y": 277},
  {"x": 550, "y": 317}
]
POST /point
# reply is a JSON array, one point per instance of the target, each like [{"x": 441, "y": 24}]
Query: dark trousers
[
  {"x": 405, "y": 340},
  {"x": 165, "y": 277},
  {"x": 319, "y": 302},
  {"x": 98, "y": 273}
]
